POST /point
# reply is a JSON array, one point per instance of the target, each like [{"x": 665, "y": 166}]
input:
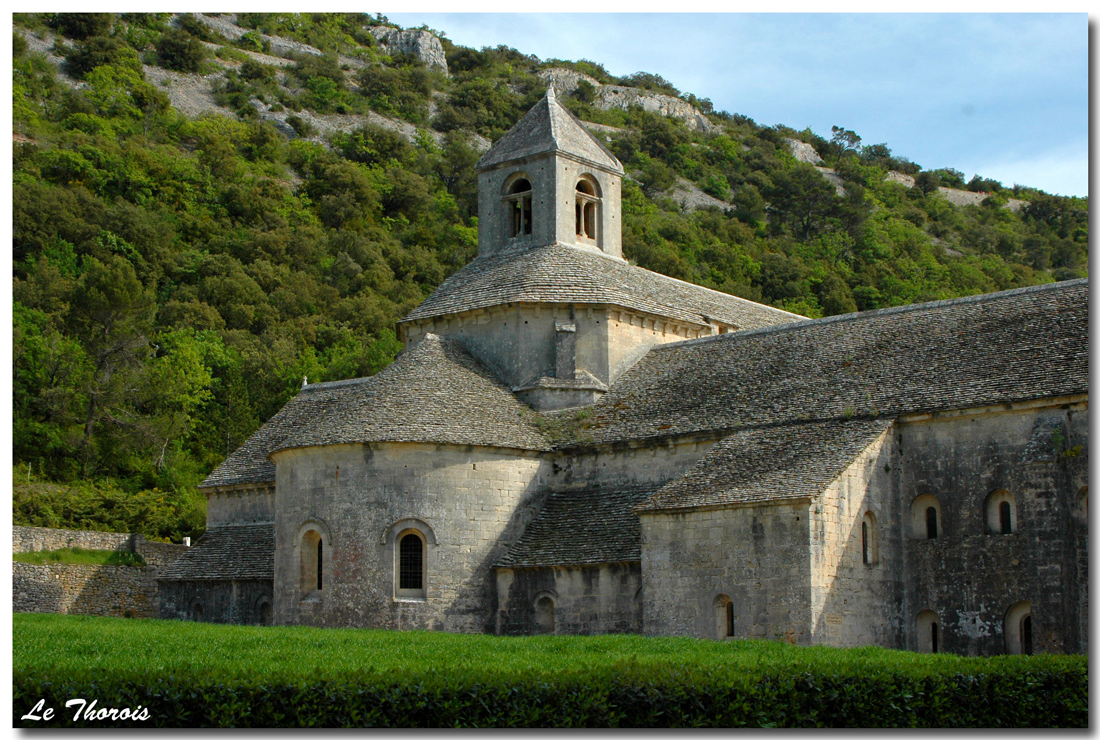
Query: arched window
[
  {"x": 1001, "y": 516},
  {"x": 869, "y": 539},
  {"x": 724, "y": 617},
  {"x": 928, "y": 632},
  {"x": 544, "y": 615},
  {"x": 518, "y": 207},
  {"x": 312, "y": 553},
  {"x": 587, "y": 205},
  {"x": 926, "y": 517},
  {"x": 1018, "y": 631},
  {"x": 196, "y": 610},
  {"x": 410, "y": 564},
  {"x": 263, "y": 610}
]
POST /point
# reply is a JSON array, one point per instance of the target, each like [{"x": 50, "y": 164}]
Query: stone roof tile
[
  {"x": 769, "y": 464},
  {"x": 583, "y": 527},
  {"x": 241, "y": 553},
  {"x": 435, "y": 392},
  {"x": 561, "y": 274},
  {"x": 549, "y": 127},
  {"x": 1007, "y": 347}
]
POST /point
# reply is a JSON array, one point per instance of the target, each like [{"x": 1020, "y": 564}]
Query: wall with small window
[
  {"x": 571, "y": 600},
  {"x": 857, "y": 529},
  {"x": 927, "y": 519},
  {"x": 1008, "y": 524},
  {"x": 218, "y": 601},
  {"x": 405, "y": 533},
  {"x": 758, "y": 557}
]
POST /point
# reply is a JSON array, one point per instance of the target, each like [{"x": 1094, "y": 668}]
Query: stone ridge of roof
[
  {"x": 549, "y": 127},
  {"x": 558, "y": 273},
  {"x": 768, "y": 464},
  {"x": 805, "y": 323}
]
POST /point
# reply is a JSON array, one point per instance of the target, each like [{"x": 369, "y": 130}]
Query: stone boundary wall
[
  {"x": 103, "y": 590},
  {"x": 35, "y": 539}
]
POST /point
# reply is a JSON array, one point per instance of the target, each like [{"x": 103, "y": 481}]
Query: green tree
[{"x": 179, "y": 50}]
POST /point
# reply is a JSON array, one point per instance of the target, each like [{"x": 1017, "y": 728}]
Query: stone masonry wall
[
  {"x": 757, "y": 556},
  {"x": 856, "y": 603},
  {"x": 228, "y": 602},
  {"x": 105, "y": 590},
  {"x": 969, "y": 576},
  {"x": 588, "y": 600},
  {"x": 472, "y": 504},
  {"x": 36, "y": 539}
]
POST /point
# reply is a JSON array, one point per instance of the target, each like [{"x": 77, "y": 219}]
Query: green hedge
[{"x": 1033, "y": 693}]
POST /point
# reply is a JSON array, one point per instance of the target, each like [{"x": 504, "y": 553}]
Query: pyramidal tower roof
[{"x": 549, "y": 127}]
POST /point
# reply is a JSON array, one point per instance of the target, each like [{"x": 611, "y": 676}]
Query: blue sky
[{"x": 1000, "y": 95}]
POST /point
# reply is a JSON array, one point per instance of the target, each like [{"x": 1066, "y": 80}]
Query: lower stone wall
[
  {"x": 586, "y": 600},
  {"x": 35, "y": 539},
  {"x": 102, "y": 590},
  {"x": 756, "y": 556},
  {"x": 223, "y": 602}
]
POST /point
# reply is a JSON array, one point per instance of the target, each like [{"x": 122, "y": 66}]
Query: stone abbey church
[{"x": 575, "y": 445}]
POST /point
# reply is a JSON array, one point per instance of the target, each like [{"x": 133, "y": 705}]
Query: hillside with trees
[{"x": 176, "y": 276}]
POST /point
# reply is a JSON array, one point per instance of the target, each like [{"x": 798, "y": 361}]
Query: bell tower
[{"x": 549, "y": 181}]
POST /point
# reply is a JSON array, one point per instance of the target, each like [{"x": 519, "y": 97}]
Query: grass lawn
[
  {"x": 79, "y": 556},
  {"x": 74, "y": 643},
  {"x": 194, "y": 674}
]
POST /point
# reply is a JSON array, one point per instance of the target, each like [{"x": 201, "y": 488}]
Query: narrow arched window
[
  {"x": 410, "y": 565},
  {"x": 518, "y": 206},
  {"x": 928, "y": 632},
  {"x": 724, "y": 617},
  {"x": 926, "y": 517},
  {"x": 196, "y": 611},
  {"x": 311, "y": 572},
  {"x": 1001, "y": 515},
  {"x": 587, "y": 204},
  {"x": 1018, "y": 630},
  {"x": 869, "y": 537},
  {"x": 544, "y": 615}
]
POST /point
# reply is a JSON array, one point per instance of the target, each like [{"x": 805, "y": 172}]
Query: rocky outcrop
[
  {"x": 566, "y": 80},
  {"x": 617, "y": 96},
  {"x": 421, "y": 44},
  {"x": 901, "y": 178},
  {"x": 691, "y": 198},
  {"x": 803, "y": 152},
  {"x": 834, "y": 179},
  {"x": 954, "y": 196}
]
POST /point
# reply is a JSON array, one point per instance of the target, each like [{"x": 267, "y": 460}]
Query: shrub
[
  {"x": 95, "y": 51},
  {"x": 83, "y": 25},
  {"x": 179, "y": 50}
]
